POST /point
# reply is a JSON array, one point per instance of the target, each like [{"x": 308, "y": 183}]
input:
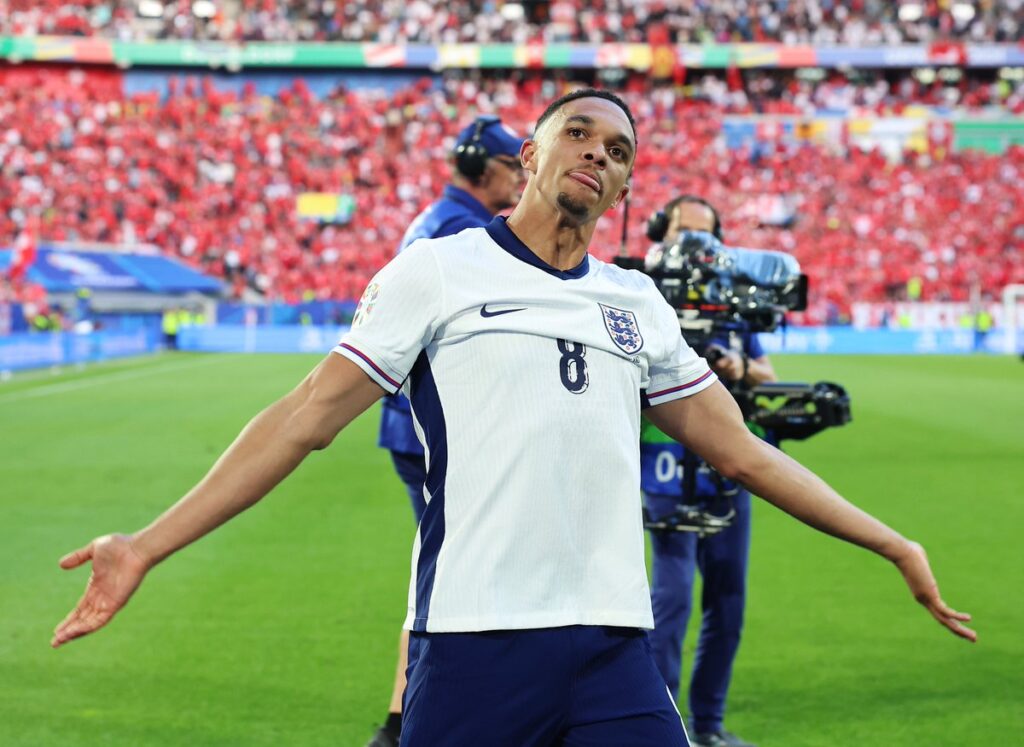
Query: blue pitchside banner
[
  {"x": 23, "y": 351},
  {"x": 260, "y": 338}
]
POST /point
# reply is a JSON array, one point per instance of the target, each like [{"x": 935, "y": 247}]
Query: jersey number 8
[{"x": 573, "y": 367}]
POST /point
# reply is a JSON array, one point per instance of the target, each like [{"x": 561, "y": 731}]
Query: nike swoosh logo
[{"x": 487, "y": 314}]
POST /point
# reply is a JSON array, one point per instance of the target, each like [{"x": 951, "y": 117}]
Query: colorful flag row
[{"x": 659, "y": 60}]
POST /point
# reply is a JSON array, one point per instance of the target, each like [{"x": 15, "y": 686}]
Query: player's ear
[{"x": 528, "y": 155}]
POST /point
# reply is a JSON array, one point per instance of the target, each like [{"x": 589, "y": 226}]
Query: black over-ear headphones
[
  {"x": 471, "y": 158},
  {"x": 657, "y": 224}
]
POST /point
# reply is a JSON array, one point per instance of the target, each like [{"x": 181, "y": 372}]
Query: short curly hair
[{"x": 586, "y": 93}]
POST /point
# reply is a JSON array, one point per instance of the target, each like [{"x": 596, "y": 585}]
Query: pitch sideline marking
[{"x": 68, "y": 386}]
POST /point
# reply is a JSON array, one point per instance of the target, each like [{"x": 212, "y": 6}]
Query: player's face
[
  {"x": 690, "y": 216},
  {"x": 582, "y": 157}
]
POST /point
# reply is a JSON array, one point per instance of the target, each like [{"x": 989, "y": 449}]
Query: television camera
[{"x": 719, "y": 291}]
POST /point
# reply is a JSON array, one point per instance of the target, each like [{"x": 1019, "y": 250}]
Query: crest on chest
[{"x": 622, "y": 328}]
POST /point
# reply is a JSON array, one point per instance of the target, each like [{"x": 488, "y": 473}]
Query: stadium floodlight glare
[
  {"x": 512, "y": 12},
  {"x": 962, "y": 12},
  {"x": 204, "y": 9},
  {"x": 150, "y": 8},
  {"x": 925, "y": 75},
  {"x": 911, "y": 12}
]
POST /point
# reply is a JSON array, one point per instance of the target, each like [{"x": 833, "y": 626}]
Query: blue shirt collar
[
  {"x": 499, "y": 231},
  {"x": 463, "y": 197}
]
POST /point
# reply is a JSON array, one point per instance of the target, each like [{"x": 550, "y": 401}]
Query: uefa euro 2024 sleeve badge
[
  {"x": 623, "y": 329},
  {"x": 366, "y": 304}
]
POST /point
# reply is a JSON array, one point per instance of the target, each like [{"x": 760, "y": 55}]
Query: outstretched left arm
[{"x": 710, "y": 423}]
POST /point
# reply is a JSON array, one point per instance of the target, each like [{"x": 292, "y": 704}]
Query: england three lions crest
[{"x": 623, "y": 329}]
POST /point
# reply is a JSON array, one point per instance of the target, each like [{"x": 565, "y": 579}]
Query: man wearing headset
[
  {"x": 486, "y": 178},
  {"x": 721, "y": 558}
]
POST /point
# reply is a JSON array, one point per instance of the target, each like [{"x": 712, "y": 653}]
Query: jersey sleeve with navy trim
[
  {"x": 680, "y": 372},
  {"x": 396, "y": 318}
]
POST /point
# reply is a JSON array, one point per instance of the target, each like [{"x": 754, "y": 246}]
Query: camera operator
[{"x": 721, "y": 557}]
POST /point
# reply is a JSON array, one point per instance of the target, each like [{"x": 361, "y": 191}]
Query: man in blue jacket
[
  {"x": 721, "y": 558},
  {"x": 487, "y": 177}
]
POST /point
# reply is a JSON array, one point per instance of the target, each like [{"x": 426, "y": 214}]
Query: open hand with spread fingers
[
  {"x": 913, "y": 564},
  {"x": 117, "y": 571}
]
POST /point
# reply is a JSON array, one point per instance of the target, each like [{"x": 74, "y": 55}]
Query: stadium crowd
[
  {"x": 857, "y": 23},
  {"x": 213, "y": 177}
]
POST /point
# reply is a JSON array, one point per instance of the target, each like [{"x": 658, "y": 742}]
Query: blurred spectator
[
  {"x": 822, "y": 22},
  {"x": 212, "y": 178}
]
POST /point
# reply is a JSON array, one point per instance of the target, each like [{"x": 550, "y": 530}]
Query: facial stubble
[{"x": 574, "y": 208}]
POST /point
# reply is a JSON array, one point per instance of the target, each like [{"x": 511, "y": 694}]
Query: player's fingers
[
  {"x": 937, "y": 606},
  {"x": 70, "y": 632},
  {"x": 961, "y": 630},
  {"x": 76, "y": 558},
  {"x": 85, "y": 618},
  {"x": 69, "y": 623},
  {"x": 952, "y": 613},
  {"x": 952, "y": 622}
]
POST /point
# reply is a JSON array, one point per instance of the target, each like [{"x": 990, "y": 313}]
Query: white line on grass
[{"x": 69, "y": 386}]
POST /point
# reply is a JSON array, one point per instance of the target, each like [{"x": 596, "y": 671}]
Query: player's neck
[{"x": 547, "y": 233}]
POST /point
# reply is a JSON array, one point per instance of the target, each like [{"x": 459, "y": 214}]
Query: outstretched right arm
[{"x": 266, "y": 451}]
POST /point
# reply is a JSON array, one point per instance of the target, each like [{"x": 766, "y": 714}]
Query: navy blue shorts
[{"x": 577, "y": 686}]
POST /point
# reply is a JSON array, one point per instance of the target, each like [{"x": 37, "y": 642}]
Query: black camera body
[{"x": 713, "y": 286}]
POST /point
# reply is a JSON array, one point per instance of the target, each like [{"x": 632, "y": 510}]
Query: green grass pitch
[{"x": 281, "y": 628}]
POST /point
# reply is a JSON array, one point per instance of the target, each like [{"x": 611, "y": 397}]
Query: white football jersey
[{"x": 526, "y": 385}]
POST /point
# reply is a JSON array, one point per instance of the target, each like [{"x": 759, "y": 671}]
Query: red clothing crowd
[
  {"x": 213, "y": 178},
  {"x": 822, "y": 22}
]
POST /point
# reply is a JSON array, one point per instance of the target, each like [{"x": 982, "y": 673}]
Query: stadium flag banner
[
  {"x": 421, "y": 56},
  {"x": 568, "y": 55},
  {"x": 506, "y": 56},
  {"x": 795, "y": 56},
  {"x": 712, "y": 55},
  {"x": 920, "y": 129},
  {"x": 59, "y": 49},
  {"x": 384, "y": 55},
  {"x": 990, "y": 136},
  {"x": 459, "y": 56},
  {"x": 995, "y": 55},
  {"x": 908, "y": 56},
  {"x": 25, "y": 351},
  {"x": 326, "y": 207},
  {"x": 757, "y": 55},
  {"x": 639, "y": 57},
  {"x": 322, "y": 55},
  {"x": 165, "y": 53},
  {"x": 870, "y": 57},
  {"x": 663, "y": 61},
  {"x": 234, "y": 56},
  {"x": 60, "y": 271}
]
